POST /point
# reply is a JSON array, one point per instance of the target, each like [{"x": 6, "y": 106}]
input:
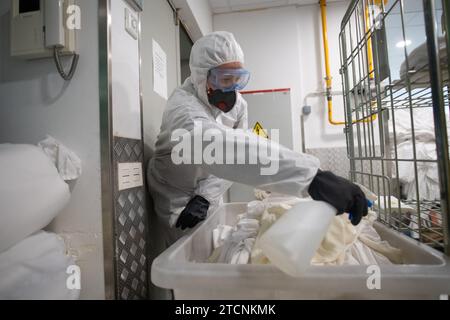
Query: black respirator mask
[{"x": 225, "y": 101}]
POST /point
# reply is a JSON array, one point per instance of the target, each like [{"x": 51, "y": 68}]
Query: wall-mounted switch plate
[
  {"x": 131, "y": 23},
  {"x": 130, "y": 175}
]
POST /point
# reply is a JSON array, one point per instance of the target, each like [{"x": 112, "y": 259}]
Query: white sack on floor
[
  {"x": 32, "y": 192},
  {"x": 35, "y": 269}
]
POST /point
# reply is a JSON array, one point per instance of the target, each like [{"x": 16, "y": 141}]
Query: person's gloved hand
[
  {"x": 194, "y": 212},
  {"x": 341, "y": 194}
]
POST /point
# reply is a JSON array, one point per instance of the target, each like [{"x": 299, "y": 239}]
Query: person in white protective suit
[{"x": 183, "y": 194}]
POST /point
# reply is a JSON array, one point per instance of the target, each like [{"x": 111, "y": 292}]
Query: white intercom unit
[
  {"x": 37, "y": 26},
  {"x": 39, "y": 30}
]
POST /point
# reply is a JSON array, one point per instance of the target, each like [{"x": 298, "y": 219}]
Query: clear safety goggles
[{"x": 228, "y": 79}]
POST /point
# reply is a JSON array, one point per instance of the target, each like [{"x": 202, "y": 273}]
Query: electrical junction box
[{"x": 37, "y": 26}]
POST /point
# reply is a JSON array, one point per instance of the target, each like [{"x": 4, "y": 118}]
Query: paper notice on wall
[{"x": 159, "y": 70}]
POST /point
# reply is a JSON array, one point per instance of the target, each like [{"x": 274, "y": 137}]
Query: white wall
[
  {"x": 125, "y": 91},
  {"x": 318, "y": 132},
  {"x": 158, "y": 24},
  {"x": 283, "y": 48},
  {"x": 269, "y": 39},
  {"x": 196, "y": 16},
  {"x": 35, "y": 101},
  {"x": 202, "y": 14}
]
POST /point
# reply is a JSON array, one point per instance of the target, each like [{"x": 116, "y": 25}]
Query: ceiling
[{"x": 226, "y": 6}]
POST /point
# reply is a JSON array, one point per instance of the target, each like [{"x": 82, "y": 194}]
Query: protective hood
[{"x": 211, "y": 51}]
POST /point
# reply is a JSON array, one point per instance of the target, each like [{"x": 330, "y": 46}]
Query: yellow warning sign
[{"x": 259, "y": 130}]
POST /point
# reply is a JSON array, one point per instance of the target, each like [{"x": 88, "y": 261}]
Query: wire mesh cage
[{"x": 394, "y": 68}]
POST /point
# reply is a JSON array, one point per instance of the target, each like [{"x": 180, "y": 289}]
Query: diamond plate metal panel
[
  {"x": 332, "y": 159},
  {"x": 130, "y": 227},
  {"x": 337, "y": 161}
]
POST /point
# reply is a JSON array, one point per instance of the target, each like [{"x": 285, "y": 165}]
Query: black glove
[
  {"x": 341, "y": 194},
  {"x": 195, "y": 212}
]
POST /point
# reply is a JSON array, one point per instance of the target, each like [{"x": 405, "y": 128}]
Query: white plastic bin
[{"x": 182, "y": 269}]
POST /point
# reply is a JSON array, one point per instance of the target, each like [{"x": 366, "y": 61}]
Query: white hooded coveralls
[{"x": 172, "y": 186}]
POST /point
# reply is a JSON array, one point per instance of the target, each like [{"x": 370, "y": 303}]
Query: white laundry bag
[
  {"x": 32, "y": 193},
  {"x": 38, "y": 268}
]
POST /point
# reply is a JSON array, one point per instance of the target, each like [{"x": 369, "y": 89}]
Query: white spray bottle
[{"x": 291, "y": 242}]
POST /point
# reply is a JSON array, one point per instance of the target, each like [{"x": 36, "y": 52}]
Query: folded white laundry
[
  {"x": 36, "y": 269},
  {"x": 237, "y": 247}
]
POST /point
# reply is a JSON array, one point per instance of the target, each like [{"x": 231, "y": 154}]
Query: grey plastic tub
[{"x": 426, "y": 274}]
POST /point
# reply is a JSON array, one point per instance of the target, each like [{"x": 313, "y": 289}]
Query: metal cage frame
[{"x": 372, "y": 100}]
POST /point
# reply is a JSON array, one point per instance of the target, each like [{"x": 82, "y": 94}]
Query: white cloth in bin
[
  {"x": 241, "y": 253},
  {"x": 32, "y": 192},
  {"x": 344, "y": 243},
  {"x": 237, "y": 247},
  {"x": 35, "y": 269},
  {"x": 65, "y": 160},
  {"x": 270, "y": 216},
  {"x": 220, "y": 234},
  {"x": 255, "y": 209}
]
